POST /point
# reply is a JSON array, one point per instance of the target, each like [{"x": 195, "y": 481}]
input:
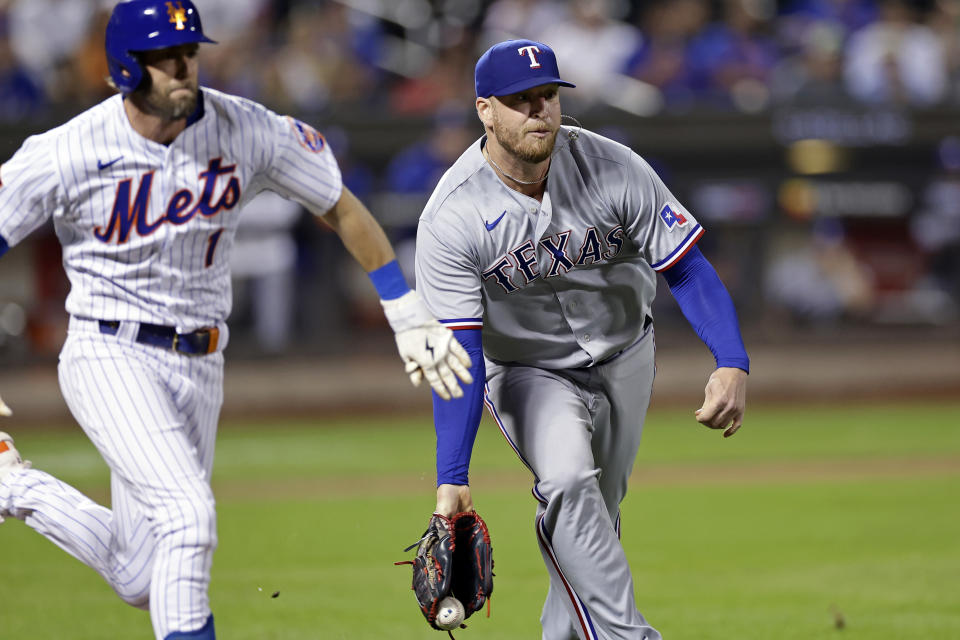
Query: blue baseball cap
[{"x": 516, "y": 65}]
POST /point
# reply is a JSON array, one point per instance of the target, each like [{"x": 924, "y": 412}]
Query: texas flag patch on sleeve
[{"x": 671, "y": 216}]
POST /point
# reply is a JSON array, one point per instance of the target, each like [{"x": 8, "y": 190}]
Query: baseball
[{"x": 449, "y": 613}]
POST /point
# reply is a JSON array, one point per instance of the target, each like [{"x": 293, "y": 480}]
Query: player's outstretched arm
[
  {"x": 456, "y": 425},
  {"x": 427, "y": 348},
  {"x": 359, "y": 231},
  {"x": 708, "y": 307},
  {"x": 4, "y": 409}
]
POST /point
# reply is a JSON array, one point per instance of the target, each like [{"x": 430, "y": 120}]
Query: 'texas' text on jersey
[{"x": 519, "y": 267}]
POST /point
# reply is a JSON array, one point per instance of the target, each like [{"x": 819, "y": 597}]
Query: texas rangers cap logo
[
  {"x": 672, "y": 217},
  {"x": 178, "y": 15},
  {"x": 516, "y": 65},
  {"x": 531, "y": 51}
]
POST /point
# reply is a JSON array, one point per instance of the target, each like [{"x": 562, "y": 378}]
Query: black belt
[{"x": 196, "y": 343}]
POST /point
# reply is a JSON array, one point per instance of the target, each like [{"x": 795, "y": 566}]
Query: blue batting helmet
[{"x": 144, "y": 25}]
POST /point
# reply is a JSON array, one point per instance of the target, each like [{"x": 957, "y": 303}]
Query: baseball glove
[{"x": 454, "y": 557}]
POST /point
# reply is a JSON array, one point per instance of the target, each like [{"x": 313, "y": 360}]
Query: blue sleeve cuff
[
  {"x": 389, "y": 281},
  {"x": 708, "y": 308},
  {"x": 4, "y": 247},
  {"x": 456, "y": 420}
]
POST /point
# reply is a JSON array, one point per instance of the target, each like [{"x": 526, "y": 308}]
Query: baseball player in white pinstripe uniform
[
  {"x": 145, "y": 191},
  {"x": 540, "y": 247}
]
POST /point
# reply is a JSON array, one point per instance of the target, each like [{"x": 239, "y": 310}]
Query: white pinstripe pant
[{"x": 152, "y": 414}]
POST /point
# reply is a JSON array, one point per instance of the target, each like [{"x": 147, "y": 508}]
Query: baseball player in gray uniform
[
  {"x": 145, "y": 191},
  {"x": 540, "y": 248}
]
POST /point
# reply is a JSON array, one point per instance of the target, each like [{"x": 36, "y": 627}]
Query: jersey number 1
[{"x": 212, "y": 246}]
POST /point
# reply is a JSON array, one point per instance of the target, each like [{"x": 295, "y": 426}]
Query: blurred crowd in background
[
  {"x": 360, "y": 61},
  {"x": 413, "y": 56}
]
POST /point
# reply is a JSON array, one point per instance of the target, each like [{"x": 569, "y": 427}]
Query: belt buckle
[{"x": 213, "y": 338}]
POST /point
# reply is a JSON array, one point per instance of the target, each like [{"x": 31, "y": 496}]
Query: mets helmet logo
[
  {"x": 178, "y": 15},
  {"x": 310, "y": 138}
]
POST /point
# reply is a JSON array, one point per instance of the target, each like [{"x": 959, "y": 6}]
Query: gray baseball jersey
[
  {"x": 559, "y": 287},
  {"x": 563, "y": 283}
]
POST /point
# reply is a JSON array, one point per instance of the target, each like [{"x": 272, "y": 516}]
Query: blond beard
[{"x": 533, "y": 151}]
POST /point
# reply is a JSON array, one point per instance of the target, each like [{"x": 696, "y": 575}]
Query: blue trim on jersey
[
  {"x": 456, "y": 420},
  {"x": 4, "y": 247},
  {"x": 199, "y": 111},
  {"x": 708, "y": 308},
  {"x": 463, "y": 323},
  {"x": 680, "y": 247},
  {"x": 389, "y": 281},
  {"x": 205, "y": 632}
]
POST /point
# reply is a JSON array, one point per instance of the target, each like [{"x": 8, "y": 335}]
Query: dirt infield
[
  {"x": 659, "y": 475},
  {"x": 808, "y": 371}
]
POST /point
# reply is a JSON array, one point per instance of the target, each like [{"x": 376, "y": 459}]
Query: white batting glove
[
  {"x": 4, "y": 409},
  {"x": 428, "y": 348}
]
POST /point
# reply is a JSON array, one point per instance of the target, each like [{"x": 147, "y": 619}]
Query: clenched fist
[{"x": 725, "y": 399}]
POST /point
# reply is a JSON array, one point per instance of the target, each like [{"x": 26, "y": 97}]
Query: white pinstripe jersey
[
  {"x": 562, "y": 283},
  {"x": 146, "y": 228}
]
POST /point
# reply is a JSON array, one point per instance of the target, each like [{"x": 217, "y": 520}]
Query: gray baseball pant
[{"x": 578, "y": 431}]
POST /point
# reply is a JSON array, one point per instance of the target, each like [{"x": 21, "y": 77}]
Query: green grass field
[{"x": 810, "y": 514}]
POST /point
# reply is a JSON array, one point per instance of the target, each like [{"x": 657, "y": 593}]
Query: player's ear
[{"x": 484, "y": 111}]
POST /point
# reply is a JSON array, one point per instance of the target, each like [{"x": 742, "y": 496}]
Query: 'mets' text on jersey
[
  {"x": 146, "y": 228},
  {"x": 565, "y": 282},
  {"x": 134, "y": 217}
]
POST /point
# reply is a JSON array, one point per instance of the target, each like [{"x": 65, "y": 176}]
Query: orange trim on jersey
[{"x": 124, "y": 215}]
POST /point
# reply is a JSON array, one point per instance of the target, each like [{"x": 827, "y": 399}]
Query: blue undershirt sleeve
[
  {"x": 4, "y": 247},
  {"x": 708, "y": 308},
  {"x": 456, "y": 420}
]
